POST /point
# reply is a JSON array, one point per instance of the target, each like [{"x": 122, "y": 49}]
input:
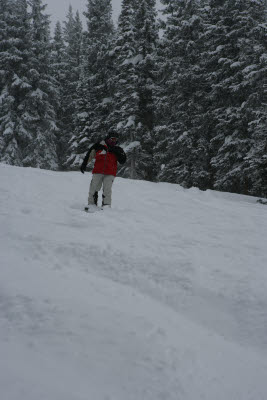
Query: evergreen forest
[{"x": 185, "y": 89}]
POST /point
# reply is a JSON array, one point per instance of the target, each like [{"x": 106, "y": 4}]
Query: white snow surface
[{"x": 161, "y": 297}]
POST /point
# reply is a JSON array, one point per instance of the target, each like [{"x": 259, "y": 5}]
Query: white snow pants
[{"x": 96, "y": 183}]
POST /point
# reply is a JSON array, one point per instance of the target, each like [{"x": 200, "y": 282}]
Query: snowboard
[{"x": 92, "y": 209}]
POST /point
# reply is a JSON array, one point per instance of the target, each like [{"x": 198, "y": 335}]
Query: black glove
[
  {"x": 115, "y": 150},
  {"x": 101, "y": 147},
  {"x": 83, "y": 168},
  {"x": 119, "y": 153},
  {"x": 110, "y": 149}
]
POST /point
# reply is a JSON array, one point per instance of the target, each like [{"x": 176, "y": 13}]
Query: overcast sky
[{"x": 58, "y": 9}]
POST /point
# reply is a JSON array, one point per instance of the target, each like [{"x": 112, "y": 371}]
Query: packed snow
[{"x": 161, "y": 297}]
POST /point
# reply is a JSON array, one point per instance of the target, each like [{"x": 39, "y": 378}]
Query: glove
[
  {"x": 83, "y": 168},
  {"x": 113, "y": 149},
  {"x": 110, "y": 149},
  {"x": 101, "y": 147}
]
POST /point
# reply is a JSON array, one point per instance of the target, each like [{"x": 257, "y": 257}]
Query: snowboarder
[{"x": 107, "y": 154}]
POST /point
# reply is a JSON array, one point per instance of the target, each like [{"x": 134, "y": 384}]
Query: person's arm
[
  {"x": 119, "y": 153},
  {"x": 90, "y": 155}
]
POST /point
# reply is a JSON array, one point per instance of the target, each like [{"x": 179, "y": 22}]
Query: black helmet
[
  {"x": 112, "y": 136},
  {"x": 112, "y": 133}
]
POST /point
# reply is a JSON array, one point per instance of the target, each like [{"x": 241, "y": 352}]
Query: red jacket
[
  {"x": 106, "y": 158},
  {"x": 105, "y": 163}
]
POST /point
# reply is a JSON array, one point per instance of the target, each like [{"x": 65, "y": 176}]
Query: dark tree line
[{"x": 187, "y": 94}]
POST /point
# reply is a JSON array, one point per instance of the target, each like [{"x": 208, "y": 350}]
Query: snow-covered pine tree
[
  {"x": 8, "y": 143},
  {"x": 14, "y": 80},
  {"x": 59, "y": 68},
  {"x": 146, "y": 37},
  {"x": 230, "y": 59},
  {"x": 94, "y": 97},
  {"x": 42, "y": 98},
  {"x": 73, "y": 36},
  {"x": 255, "y": 107},
  {"x": 182, "y": 146},
  {"x": 126, "y": 98}
]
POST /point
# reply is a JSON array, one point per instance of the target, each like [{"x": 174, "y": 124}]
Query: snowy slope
[{"x": 164, "y": 296}]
